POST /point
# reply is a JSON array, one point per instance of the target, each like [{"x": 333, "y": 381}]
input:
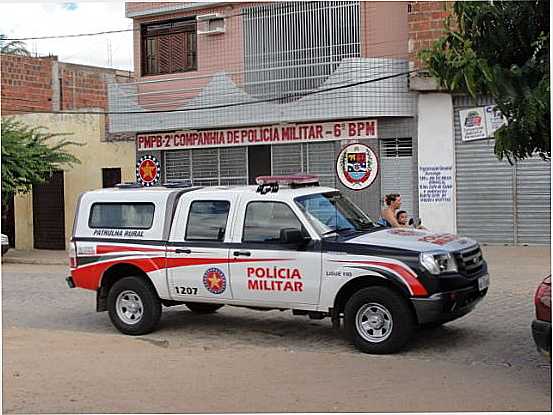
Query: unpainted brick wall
[
  {"x": 26, "y": 83},
  {"x": 426, "y": 21}
]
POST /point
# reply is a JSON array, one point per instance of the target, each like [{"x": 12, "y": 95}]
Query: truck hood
[{"x": 414, "y": 240}]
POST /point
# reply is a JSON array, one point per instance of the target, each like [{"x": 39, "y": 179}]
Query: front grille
[{"x": 470, "y": 261}]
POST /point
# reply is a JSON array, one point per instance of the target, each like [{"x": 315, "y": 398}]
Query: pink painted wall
[{"x": 384, "y": 33}]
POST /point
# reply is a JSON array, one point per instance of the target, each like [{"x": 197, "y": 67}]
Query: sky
[{"x": 18, "y": 20}]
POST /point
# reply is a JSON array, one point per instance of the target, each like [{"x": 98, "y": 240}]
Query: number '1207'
[{"x": 186, "y": 290}]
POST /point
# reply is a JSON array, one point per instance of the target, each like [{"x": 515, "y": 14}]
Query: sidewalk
[{"x": 36, "y": 256}]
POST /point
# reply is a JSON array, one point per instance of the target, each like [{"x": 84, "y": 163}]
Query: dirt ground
[{"x": 66, "y": 372}]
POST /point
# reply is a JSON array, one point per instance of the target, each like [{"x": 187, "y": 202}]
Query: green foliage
[
  {"x": 501, "y": 49},
  {"x": 27, "y": 157},
  {"x": 13, "y": 47}
]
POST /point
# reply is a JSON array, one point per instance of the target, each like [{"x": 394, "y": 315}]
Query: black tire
[
  {"x": 203, "y": 308},
  {"x": 143, "y": 297},
  {"x": 391, "y": 315}
]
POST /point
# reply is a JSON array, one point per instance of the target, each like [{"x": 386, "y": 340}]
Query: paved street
[{"x": 62, "y": 356}]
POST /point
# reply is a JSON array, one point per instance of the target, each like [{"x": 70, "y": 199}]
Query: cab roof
[{"x": 159, "y": 190}]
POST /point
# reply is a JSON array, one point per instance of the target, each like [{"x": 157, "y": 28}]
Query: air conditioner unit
[{"x": 211, "y": 24}]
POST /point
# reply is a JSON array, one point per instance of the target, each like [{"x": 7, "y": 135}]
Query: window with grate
[
  {"x": 169, "y": 47},
  {"x": 291, "y": 48},
  {"x": 396, "y": 147}
]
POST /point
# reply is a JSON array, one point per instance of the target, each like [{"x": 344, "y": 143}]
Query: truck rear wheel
[
  {"x": 378, "y": 320},
  {"x": 134, "y": 307},
  {"x": 203, "y": 308}
]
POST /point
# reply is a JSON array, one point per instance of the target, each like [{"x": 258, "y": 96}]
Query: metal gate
[
  {"x": 397, "y": 170},
  {"x": 496, "y": 202},
  {"x": 49, "y": 213}
]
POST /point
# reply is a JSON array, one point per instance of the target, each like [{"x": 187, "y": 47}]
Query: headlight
[{"x": 438, "y": 263}]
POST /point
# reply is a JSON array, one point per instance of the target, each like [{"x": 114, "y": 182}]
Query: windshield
[{"x": 333, "y": 212}]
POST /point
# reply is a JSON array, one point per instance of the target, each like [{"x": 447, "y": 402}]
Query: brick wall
[
  {"x": 83, "y": 88},
  {"x": 426, "y": 21},
  {"x": 44, "y": 84},
  {"x": 26, "y": 83}
]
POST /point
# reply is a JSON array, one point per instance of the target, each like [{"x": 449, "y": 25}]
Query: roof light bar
[
  {"x": 268, "y": 184},
  {"x": 295, "y": 179}
]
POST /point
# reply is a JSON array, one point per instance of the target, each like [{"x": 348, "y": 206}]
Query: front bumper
[
  {"x": 541, "y": 332},
  {"x": 447, "y": 306}
]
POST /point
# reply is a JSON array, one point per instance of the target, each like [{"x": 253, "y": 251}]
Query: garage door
[{"x": 497, "y": 202}]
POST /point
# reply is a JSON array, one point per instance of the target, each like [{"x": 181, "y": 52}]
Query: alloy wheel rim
[
  {"x": 374, "y": 322},
  {"x": 129, "y": 307}
]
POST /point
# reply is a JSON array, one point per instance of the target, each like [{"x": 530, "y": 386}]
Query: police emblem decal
[
  {"x": 357, "y": 166},
  {"x": 215, "y": 281},
  {"x": 148, "y": 170}
]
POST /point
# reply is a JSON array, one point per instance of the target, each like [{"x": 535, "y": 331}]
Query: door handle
[
  {"x": 243, "y": 253},
  {"x": 183, "y": 251}
]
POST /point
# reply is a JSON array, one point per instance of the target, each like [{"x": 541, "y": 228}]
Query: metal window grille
[
  {"x": 208, "y": 167},
  {"x": 292, "y": 48}
]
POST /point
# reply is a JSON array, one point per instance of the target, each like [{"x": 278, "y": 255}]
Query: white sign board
[
  {"x": 494, "y": 119},
  {"x": 480, "y": 122},
  {"x": 435, "y": 184},
  {"x": 269, "y": 134},
  {"x": 473, "y": 124}
]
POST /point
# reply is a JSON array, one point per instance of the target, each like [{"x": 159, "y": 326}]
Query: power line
[
  {"x": 68, "y": 36},
  {"x": 230, "y": 105}
]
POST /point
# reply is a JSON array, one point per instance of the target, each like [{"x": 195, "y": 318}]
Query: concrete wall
[
  {"x": 94, "y": 155},
  {"x": 436, "y": 157}
]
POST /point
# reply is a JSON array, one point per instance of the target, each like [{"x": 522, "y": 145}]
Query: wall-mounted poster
[
  {"x": 473, "y": 124},
  {"x": 481, "y": 122},
  {"x": 494, "y": 119}
]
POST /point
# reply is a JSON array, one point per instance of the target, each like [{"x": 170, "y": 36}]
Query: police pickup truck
[{"x": 285, "y": 244}]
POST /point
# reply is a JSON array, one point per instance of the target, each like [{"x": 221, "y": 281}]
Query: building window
[{"x": 169, "y": 47}]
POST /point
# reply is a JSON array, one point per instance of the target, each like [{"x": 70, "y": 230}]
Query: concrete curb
[{"x": 32, "y": 258}]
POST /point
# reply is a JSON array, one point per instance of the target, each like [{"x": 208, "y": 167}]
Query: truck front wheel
[
  {"x": 378, "y": 320},
  {"x": 134, "y": 307}
]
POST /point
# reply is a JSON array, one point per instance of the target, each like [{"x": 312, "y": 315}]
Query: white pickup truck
[{"x": 285, "y": 244}]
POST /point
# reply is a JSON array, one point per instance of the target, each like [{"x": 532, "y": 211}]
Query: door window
[
  {"x": 207, "y": 220},
  {"x": 265, "y": 220}
]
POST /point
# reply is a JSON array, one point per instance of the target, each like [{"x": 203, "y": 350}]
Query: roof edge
[{"x": 172, "y": 9}]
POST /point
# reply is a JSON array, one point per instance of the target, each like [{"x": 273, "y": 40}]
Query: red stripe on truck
[
  {"x": 406, "y": 274},
  {"x": 89, "y": 276}
]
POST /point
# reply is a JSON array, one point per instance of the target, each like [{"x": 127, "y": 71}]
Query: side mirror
[{"x": 292, "y": 236}]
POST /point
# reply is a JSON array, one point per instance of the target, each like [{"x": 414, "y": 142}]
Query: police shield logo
[
  {"x": 215, "y": 281},
  {"x": 148, "y": 170},
  {"x": 357, "y": 166}
]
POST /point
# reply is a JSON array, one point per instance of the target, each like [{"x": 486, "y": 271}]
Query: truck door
[
  {"x": 197, "y": 255},
  {"x": 263, "y": 267}
]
